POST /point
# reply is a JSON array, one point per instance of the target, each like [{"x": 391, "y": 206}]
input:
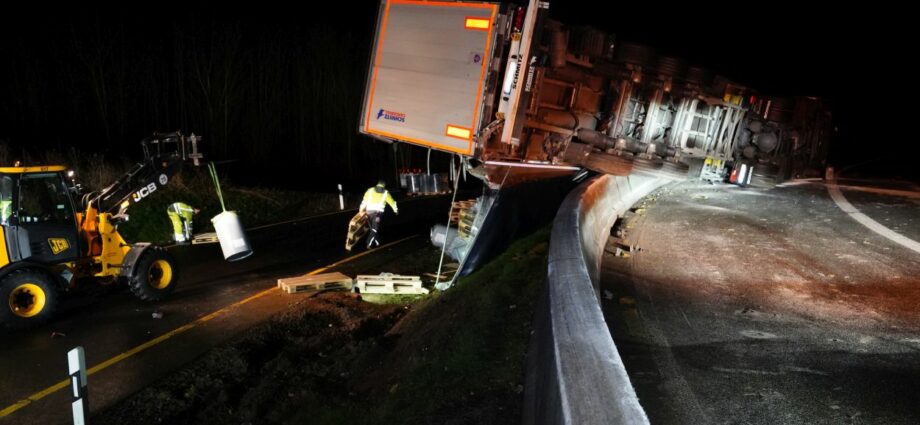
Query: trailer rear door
[{"x": 428, "y": 69}]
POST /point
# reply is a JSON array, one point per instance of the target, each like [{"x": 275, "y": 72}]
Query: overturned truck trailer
[
  {"x": 521, "y": 97},
  {"x": 504, "y": 86}
]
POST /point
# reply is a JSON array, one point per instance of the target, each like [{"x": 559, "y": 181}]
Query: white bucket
[{"x": 232, "y": 238}]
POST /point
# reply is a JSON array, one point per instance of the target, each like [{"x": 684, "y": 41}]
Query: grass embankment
[
  {"x": 460, "y": 356},
  {"x": 450, "y": 358}
]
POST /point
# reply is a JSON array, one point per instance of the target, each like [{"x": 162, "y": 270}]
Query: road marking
[
  {"x": 871, "y": 224},
  {"x": 101, "y": 366}
]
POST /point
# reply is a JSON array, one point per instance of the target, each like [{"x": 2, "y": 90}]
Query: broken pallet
[
  {"x": 312, "y": 283},
  {"x": 388, "y": 283}
]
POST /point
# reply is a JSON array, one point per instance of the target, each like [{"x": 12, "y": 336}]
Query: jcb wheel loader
[{"x": 52, "y": 235}]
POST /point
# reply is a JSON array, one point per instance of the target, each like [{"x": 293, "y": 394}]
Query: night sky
[{"x": 279, "y": 90}]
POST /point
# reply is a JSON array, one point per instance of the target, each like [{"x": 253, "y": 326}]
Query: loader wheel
[
  {"x": 155, "y": 276},
  {"x": 30, "y": 296}
]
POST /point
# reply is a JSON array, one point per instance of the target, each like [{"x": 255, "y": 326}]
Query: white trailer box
[{"x": 429, "y": 69}]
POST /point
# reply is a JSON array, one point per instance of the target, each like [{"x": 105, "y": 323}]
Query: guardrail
[{"x": 574, "y": 373}]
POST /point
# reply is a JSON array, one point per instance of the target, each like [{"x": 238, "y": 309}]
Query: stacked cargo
[{"x": 416, "y": 182}]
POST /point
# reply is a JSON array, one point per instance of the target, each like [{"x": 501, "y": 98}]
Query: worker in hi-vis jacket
[
  {"x": 181, "y": 215},
  {"x": 375, "y": 201}
]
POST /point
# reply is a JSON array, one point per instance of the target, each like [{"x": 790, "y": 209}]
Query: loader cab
[{"x": 37, "y": 216}]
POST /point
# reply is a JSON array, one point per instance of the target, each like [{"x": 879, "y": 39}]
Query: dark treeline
[{"x": 279, "y": 91}]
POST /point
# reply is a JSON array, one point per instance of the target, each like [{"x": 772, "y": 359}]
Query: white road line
[{"x": 863, "y": 219}]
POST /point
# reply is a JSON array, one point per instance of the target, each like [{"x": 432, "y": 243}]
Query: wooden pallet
[
  {"x": 461, "y": 209},
  {"x": 204, "y": 238},
  {"x": 465, "y": 230},
  {"x": 467, "y": 214},
  {"x": 357, "y": 229},
  {"x": 447, "y": 272},
  {"x": 442, "y": 277},
  {"x": 320, "y": 282},
  {"x": 619, "y": 247},
  {"x": 388, "y": 283}
]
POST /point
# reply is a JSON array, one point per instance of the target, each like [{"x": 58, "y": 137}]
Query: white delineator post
[
  {"x": 76, "y": 365},
  {"x": 341, "y": 199}
]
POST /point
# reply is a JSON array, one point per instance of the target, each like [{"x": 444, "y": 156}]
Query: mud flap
[{"x": 130, "y": 262}]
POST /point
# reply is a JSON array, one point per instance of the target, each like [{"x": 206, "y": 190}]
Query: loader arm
[{"x": 164, "y": 156}]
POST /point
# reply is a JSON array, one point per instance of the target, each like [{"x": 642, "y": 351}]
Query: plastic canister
[{"x": 231, "y": 235}]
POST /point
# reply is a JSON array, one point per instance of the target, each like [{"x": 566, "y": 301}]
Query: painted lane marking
[
  {"x": 871, "y": 224},
  {"x": 105, "y": 364}
]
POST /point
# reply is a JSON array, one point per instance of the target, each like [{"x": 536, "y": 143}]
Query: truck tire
[
  {"x": 30, "y": 297},
  {"x": 647, "y": 167},
  {"x": 662, "y": 169},
  {"x": 676, "y": 171},
  {"x": 765, "y": 176},
  {"x": 614, "y": 165},
  {"x": 155, "y": 276},
  {"x": 695, "y": 167}
]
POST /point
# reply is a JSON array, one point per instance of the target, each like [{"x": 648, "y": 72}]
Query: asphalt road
[
  {"x": 754, "y": 306},
  {"x": 215, "y": 301}
]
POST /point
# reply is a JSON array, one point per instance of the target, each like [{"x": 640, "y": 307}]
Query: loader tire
[
  {"x": 155, "y": 276},
  {"x": 30, "y": 298}
]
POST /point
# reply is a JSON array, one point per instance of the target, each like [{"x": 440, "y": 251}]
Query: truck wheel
[
  {"x": 30, "y": 298},
  {"x": 676, "y": 171},
  {"x": 155, "y": 276},
  {"x": 764, "y": 176},
  {"x": 647, "y": 167}
]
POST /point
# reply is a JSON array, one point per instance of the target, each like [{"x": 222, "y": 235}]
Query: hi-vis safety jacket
[
  {"x": 182, "y": 210},
  {"x": 374, "y": 201},
  {"x": 6, "y": 210}
]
